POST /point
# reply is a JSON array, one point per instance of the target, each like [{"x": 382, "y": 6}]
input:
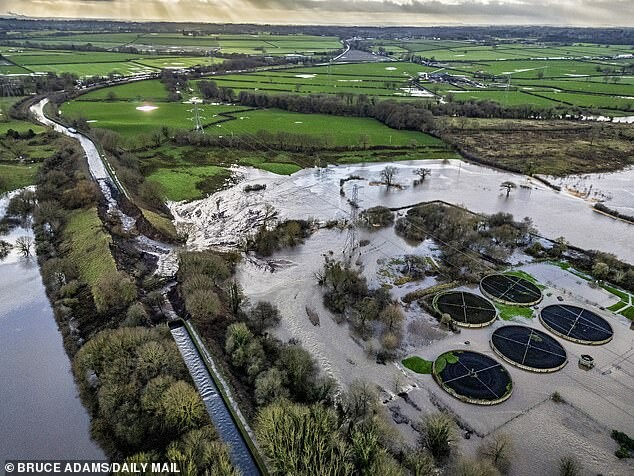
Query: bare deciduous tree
[
  {"x": 423, "y": 173},
  {"x": 388, "y": 174},
  {"x": 24, "y": 244},
  {"x": 499, "y": 451}
]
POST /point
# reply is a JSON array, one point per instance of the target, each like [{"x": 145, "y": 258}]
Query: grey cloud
[{"x": 377, "y": 12}]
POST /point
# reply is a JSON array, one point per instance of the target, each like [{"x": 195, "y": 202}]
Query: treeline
[
  {"x": 144, "y": 409},
  {"x": 605, "y": 209},
  {"x": 174, "y": 83},
  {"x": 396, "y": 114},
  {"x": 602, "y": 266}
]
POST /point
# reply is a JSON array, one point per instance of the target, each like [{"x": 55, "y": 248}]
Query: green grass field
[
  {"x": 17, "y": 176},
  {"x": 509, "y": 312},
  {"x": 339, "y": 131},
  {"x": 624, "y": 103},
  {"x": 124, "y": 118},
  {"x": 183, "y": 183},
  {"x": 418, "y": 364},
  {"x": 95, "y": 69},
  {"x": 510, "y": 98},
  {"x": 152, "y": 90}
]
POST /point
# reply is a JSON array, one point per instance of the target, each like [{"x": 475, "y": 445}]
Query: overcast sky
[{"x": 341, "y": 12}]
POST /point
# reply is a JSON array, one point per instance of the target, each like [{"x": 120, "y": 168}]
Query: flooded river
[
  {"x": 41, "y": 415},
  {"x": 223, "y": 218}
]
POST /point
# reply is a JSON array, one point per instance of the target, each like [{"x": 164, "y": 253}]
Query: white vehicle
[{"x": 72, "y": 130}]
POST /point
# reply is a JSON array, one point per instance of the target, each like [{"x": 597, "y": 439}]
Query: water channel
[{"x": 41, "y": 415}]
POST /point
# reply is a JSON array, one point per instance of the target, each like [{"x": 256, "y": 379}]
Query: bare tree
[
  {"x": 508, "y": 186},
  {"x": 24, "y": 244},
  {"x": 423, "y": 173},
  {"x": 499, "y": 450},
  {"x": 388, "y": 174}
]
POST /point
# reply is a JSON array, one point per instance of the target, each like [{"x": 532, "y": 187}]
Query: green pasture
[
  {"x": 337, "y": 130},
  {"x": 624, "y": 103},
  {"x": 510, "y": 98},
  {"x": 187, "y": 183},
  {"x": 6, "y": 68},
  {"x": 151, "y": 90},
  {"x": 621, "y": 87},
  {"x": 95, "y": 69},
  {"x": 532, "y": 69},
  {"x": 177, "y": 62},
  {"x": 17, "y": 176},
  {"x": 322, "y": 85},
  {"x": 123, "y": 117},
  {"x": 43, "y": 57},
  {"x": 391, "y": 69}
]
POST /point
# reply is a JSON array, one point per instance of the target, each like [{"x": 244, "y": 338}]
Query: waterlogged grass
[
  {"x": 418, "y": 364},
  {"x": 89, "y": 245},
  {"x": 509, "y": 312},
  {"x": 279, "y": 168},
  {"x": 617, "y": 306},
  {"x": 189, "y": 183},
  {"x": 17, "y": 176}
]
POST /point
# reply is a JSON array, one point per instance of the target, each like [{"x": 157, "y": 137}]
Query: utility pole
[{"x": 197, "y": 118}]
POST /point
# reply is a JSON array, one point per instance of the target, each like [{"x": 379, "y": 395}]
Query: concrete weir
[{"x": 239, "y": 451}]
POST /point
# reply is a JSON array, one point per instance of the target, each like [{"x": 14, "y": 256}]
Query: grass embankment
[
  {"x": 524, "y": 275},
  {"x": 163, "y": 224},
  {"x": 544, "y": 147},
  {"x": 418, "y": 364},
  {"x": 509, "y": 312},
  {"x": 88, "y": 245}
]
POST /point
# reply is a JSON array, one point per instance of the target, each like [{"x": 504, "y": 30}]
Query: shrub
[
  {"x": 439, "y": 432},
  {"x": 569, "y": 466},
  {"x": 202, "y": 304},
  {"x": 113, "y": 292}
]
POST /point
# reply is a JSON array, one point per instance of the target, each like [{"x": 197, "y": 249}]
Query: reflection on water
[{"x": 41, "y": 415}]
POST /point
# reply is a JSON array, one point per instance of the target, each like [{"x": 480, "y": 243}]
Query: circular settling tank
[
  {"x": 466, "y": 309},
  {"x": 472, "y": 377},
  {"x": 511, "y": 290},
  {"x": 576, "y": 324},
  {"x": 528, "y": 349}
]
